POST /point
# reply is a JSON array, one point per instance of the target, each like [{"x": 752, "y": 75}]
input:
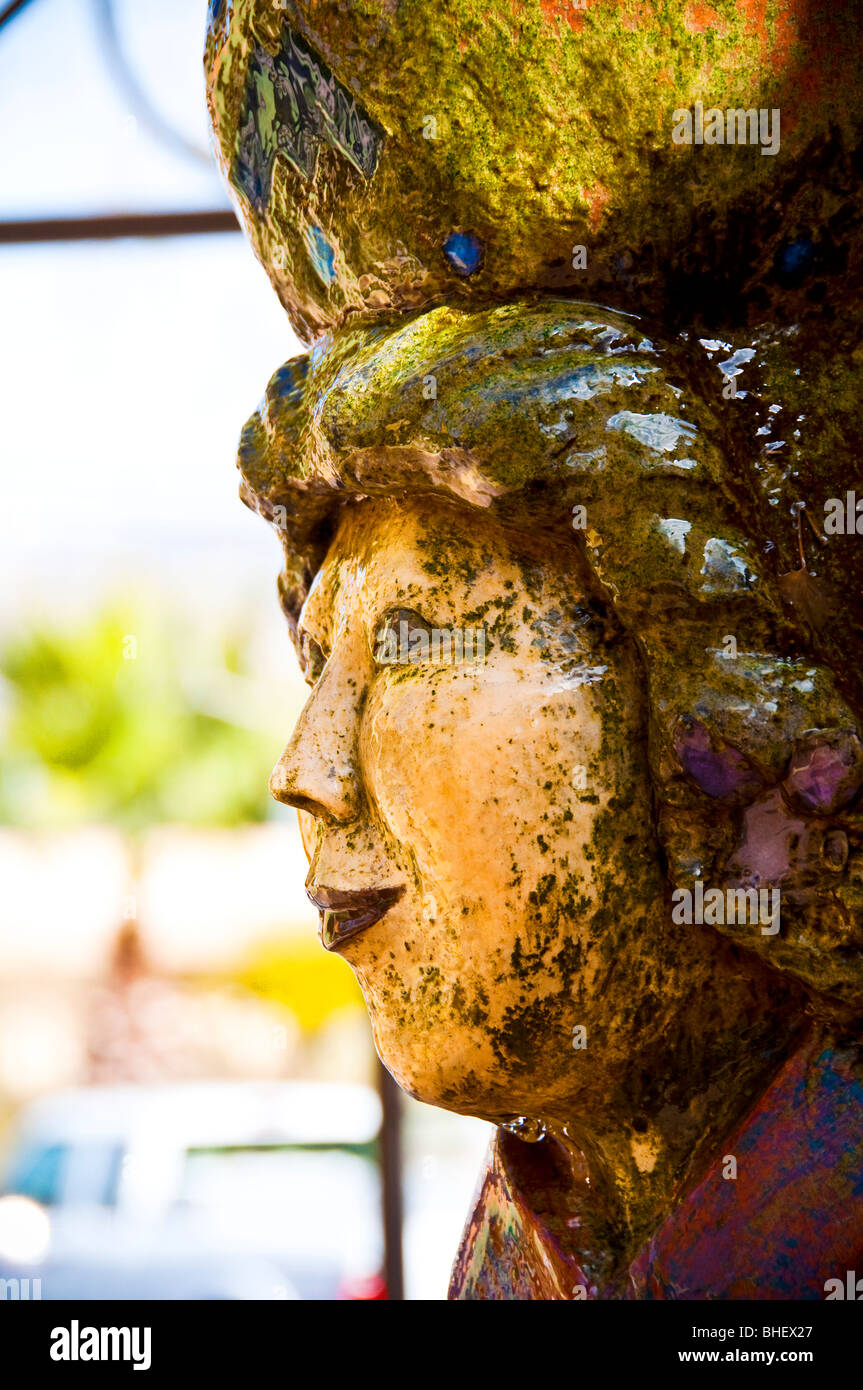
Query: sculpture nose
[{"x": 319, "y": 768}]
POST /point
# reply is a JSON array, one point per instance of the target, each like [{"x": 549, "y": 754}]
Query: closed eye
[{"x": 402, "y": 637}]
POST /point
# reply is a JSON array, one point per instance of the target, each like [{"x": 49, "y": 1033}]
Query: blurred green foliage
[
  {"x": 127, "y": 720},
  {"x": 135, "y": 718}
]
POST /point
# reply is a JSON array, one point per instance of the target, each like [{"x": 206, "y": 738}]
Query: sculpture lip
[{"x": 345, "y": 912}]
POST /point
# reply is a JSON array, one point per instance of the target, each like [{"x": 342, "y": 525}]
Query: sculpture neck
[
  {"x": 634, "y": 1155},
  {"x": 542, "y": 1228}
]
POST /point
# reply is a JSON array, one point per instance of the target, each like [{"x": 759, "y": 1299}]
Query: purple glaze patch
[
  {"x": 723, "y": 773},
  {"x": 774, "y": 845},
  {"x": 826, "y": 771}
]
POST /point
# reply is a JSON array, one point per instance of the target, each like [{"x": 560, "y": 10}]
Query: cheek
[{"x": 475, "y": 775}]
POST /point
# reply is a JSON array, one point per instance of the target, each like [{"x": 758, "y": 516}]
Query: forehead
[
  {"x": 390, "y": 543},
  {"x": 396, "y": 548}
]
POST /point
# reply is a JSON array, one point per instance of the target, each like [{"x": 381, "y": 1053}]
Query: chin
[{"x": 443, "y": 1067}]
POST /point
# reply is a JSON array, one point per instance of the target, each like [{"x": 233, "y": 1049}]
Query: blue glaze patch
[
  {"x": 321, "y": 255},
  {"x": 220, "y": 13},
  {"x": 288, "y": 383},
  {"x": 463, "y": 250},
  {"x": 219, "y": 16},
  {"x": 293, "y": 105},
  {"x": 795, "y": 260}
]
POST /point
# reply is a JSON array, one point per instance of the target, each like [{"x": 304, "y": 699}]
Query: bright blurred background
[{"x": 189, "y": 1099}]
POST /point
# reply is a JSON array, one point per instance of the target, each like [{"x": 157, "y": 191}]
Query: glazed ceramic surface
[{"x": 566, "y": 487}]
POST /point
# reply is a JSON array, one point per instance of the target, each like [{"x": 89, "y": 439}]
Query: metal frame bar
[
  {"x": 106, "y": 228},
  {"x": 9, "y": 11}
]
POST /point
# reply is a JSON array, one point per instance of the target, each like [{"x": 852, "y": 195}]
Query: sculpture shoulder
[
  {"x": 516, "y": 1238},
  {"x": 784, "y": 1221}
]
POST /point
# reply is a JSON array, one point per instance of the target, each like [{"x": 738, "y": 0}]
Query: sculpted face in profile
[
  {"x": 450, "y": 851},
  {"x": 579, "y": 773},
  {"x": 482, "y": 847},
  {"x": 481, "y": 834}
]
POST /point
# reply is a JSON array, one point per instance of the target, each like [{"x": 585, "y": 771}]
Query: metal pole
[
  {"x": 154, "y": 224},
  {"x": 391, "y": 1176},
  {"x": 9, "y": 11}
]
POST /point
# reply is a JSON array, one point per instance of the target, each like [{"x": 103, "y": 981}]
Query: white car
[{"x": 204, "y": 1190}]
